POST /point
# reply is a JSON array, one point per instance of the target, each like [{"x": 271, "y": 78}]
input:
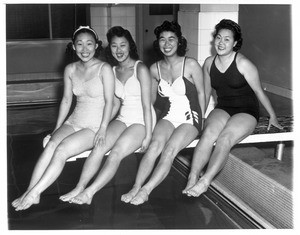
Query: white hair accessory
[{"x": 85, "y": 27}]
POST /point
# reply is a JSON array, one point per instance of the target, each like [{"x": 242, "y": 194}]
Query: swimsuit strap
[
  {"x": 214, "y": 59},
  {"x": 114, "y": 70},
  {"x": 183, "y": 65},
  {"x": 135, "y": 67},
  {"x": 100, "y": 68},
  {"x": 235, "y": 56},
  {"x": 158, "y": 70}
]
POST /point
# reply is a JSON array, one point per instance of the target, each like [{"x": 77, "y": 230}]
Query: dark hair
[
  {"x": 234, "y": 28},
  {"x": 82, "y": 29},
  {"x": 118, "y": 31},
  {"x": 170, "y": 27}
]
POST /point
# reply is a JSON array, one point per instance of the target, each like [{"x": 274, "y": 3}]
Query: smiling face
[
  {"x": 168, "y": 43},
  {"x": 224, "y": 42},
  {"x": 120, "y": 48},
  {"x": 85, "y": 46}
]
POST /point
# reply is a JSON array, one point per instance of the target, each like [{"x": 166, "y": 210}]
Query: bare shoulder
[
  {"x": 141, "y": 67},
  {"x": 243, "y": 63},
  {"x": 70, "y": 68},
  {"x": 154, "y": 71},
  {"x": 208, "y": 61},
  {"x": 105, "y": 65},
  {"x": 191, "y": 62}
]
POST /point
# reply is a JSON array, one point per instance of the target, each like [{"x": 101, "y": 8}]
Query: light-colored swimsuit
[
  {"x": 181, "y": 104},
  {"x": 90, "y": 102},
  {"x": 131, "y": 111}
]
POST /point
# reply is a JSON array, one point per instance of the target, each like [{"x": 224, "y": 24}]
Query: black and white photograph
[{"x": 152, "y": 116}]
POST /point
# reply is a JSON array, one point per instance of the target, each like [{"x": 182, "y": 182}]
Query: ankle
[
  {"x": 147, "y": 191},
  {"x": 205, "y": 180},
  {"x": 193, "y": 176}
]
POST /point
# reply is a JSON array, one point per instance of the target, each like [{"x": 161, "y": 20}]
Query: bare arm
[
  {"x": 197, "y": 76},
  {"x": 250, "y": 72},
  {"x": 154, "y": 75},
  {"x": 116, "y": 107},
  {"x": 66, "y": 101},
  {"x": 207, "y": 83},
  {"x": 108, "y": 81},
  {"x": 143, "y": 76}
]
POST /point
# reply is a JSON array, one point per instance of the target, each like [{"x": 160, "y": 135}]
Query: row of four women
[{"x": 183, "y": 92}]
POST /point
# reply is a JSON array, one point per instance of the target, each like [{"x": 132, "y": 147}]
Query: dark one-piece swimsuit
[{"x": 233, "y": 91}]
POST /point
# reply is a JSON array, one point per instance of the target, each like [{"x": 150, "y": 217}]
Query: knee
[
  {"x": 115, "y": 155},
  {"x": 61, "y": 152},
  {"x": 156, "y": 146},
  {"x": 51, "y": 145},
  {"x": 169, "y": 153},
  {"x": 225, "y": 140},
  {"x": 210, "y": 133}
]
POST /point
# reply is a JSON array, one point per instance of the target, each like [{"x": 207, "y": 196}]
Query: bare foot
[
  {"x": 67, "y": 197},
  {"x": 191, "y": 182},
  {"x": 200, "y": 187},
  {"x": 82, "y": 198},
  {"x": 130, "y": 195},
  {"x": 141, "y": 197},
  {"x": 17, "y": 201},
  {"x": 28, "y": 201}
]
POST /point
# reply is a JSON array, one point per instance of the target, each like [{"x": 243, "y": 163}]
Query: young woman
[
  {"x": 92, "y": 82},
  {"x": 236, "y": 81},
  {"x": 179, "y": 82},
  {"x": 132, "y": 129}
]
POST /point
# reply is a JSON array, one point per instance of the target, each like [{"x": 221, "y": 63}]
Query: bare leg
[
  {"x": 161, "y": 134},
  {"x": 93, "y": 162},
  {"x": 181, "y": 137},
  {"x": 74, "y": 144},
  {"x": 130, "y": 140},
  {"x": 214, "y": 124},
  {"x": 237, "y": 128},
  {"x": 45, "y": 159}
]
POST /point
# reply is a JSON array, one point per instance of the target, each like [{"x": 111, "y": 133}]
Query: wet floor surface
[{"x": 167, "y": 208}]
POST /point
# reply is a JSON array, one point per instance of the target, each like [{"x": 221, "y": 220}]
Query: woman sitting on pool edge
[
  {"x": 92, "y": 82},
  {"x": 236, "y": 81},
  {"x": 132, "y": 129},
  {"x": 179, "y": 81}
]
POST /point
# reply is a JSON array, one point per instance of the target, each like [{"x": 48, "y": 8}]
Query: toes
[
  {"x": 140, "y": 198},
  {"x": 65, "y": 198},
  {"x": 125, "y": 198},
  {"x": 76, "y": 201},
  {"x": 16, "y": 202}
]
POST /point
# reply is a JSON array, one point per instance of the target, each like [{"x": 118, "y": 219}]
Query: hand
[
  {"x": 274, "y": 122},
  {"x": 100, "y": 137},
  {"x": 145, "y": 144}
]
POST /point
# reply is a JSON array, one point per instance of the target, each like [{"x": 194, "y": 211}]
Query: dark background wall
[{"x": 267, "y": 41}]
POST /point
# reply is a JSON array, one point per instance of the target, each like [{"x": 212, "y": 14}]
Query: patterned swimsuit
[{"x": 181, "y": 104}]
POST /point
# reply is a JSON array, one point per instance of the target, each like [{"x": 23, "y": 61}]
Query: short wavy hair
[
  {"x": 170, "y": 26},
  {"x": 234, "y": 28},
  {"x": 118, "y": 31}
]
